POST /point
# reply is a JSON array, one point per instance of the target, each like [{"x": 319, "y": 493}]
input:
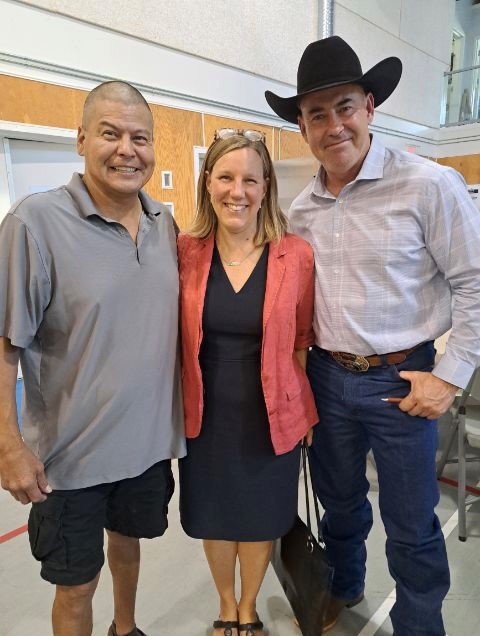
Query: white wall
[
  {"x": 5, "y": 200},
  {"x": 419, "y": 32},
  {"x": 259, "y": 36},
  {"x": 11, "y": 133},
  {"x": 468, "y": 21},
  {"x": 38, "y": 166},
  {"x": 457, "y": 140},
  {"x": 265, "y": 37},
  {"x": 49, "y": 47}
]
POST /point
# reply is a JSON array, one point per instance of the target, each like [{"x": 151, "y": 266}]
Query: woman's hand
[{"x": 309, "y": 437}]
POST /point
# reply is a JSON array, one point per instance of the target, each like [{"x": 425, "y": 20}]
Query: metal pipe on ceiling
[{"x": 325, "y": 18}]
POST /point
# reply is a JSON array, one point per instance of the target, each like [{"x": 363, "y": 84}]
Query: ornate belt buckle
[{"x": 351, "y": 361}]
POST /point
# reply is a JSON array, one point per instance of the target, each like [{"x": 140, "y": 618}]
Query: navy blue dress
[{"x": 232, "y": 485}]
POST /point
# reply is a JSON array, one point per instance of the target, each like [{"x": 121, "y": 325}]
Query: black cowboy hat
[{"x": 332, "y": 62}]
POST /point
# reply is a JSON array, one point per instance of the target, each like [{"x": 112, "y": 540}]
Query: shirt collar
[
  {"x": 372, "y": 168},
  {"x": 79, "y": 193}
]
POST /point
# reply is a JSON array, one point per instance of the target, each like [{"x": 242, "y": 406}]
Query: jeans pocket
[
  {"x": 45, "y": 532},
  {"x": 422, "y": 359},
  {"x": 404, "y": 366},
  {"x": 396, "y": 371}
]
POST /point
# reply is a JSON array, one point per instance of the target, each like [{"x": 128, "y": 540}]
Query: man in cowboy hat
[{"x": 397, "y": 264}]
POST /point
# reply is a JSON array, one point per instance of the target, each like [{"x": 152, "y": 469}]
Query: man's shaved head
[
  {"x": 116, "y": 139},
  {"x": 115, "y": 91}
]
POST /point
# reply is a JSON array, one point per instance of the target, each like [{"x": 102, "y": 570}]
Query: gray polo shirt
[{"x": 95, "y": 317}]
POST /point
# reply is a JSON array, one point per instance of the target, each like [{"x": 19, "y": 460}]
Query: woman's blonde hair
[{"x": 271, "y": 221}]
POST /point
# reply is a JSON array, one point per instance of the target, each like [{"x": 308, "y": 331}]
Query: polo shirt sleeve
[{"x": 25, "y": 287}]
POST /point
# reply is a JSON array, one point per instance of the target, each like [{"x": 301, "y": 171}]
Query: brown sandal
[
  {"x": 227, "y": 626},
  {"x": 135, "y": 632},
  {"x": 251, "y": 628}
]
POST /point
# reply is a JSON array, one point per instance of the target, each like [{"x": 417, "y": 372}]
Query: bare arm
[
  {"x": 21, "y": 472},
  {"x": 301, "y": 355},
  {"x": 305, "y": 336}
]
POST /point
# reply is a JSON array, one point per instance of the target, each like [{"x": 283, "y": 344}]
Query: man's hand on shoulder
[
  {"x": 429, "y": 396},
  {"x": 22, "y": 474}
]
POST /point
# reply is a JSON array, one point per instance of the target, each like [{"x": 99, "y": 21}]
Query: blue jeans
[{"x": 353, "y": 420}]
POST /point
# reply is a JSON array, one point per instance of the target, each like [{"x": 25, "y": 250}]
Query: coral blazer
[{"x": 287, "y": 326}]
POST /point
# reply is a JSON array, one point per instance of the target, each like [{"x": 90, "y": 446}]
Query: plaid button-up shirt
[{"x": 397, "y": 257}]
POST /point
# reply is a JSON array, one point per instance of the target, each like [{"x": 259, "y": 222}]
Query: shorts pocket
[
  {"x": 168, "y": 494},
  {"x": 170, "y": 488},
  {"x": 45, "y": 532}
]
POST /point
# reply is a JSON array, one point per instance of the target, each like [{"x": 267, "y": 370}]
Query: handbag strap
[{"x": 307, "y": 473}]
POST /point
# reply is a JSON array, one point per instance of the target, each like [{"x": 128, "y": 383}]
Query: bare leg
[
  {"x": 72, "y": 609},
  {"x": 222, "y": 557},
  {"x": 254, "y": 558},
  {"x": 124, "y": 562}
]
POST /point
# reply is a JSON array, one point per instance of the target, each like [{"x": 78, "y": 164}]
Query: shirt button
[
  {"x": 340, "y": 200},
  {"x": 337, "y": 234},
  {"x": 335, "y": 271}
]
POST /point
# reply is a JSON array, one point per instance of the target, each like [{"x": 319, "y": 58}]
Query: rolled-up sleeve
[
  {"x": 305, "y": 336},
  {"x": 25, "y": 287}
]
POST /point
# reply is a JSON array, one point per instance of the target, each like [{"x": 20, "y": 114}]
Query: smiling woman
[
  {"x": 242, "y": 351},
  {"x": 237, "y": 186}
]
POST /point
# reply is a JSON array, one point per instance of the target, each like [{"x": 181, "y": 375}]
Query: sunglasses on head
[{"x": 251, "y": 135}]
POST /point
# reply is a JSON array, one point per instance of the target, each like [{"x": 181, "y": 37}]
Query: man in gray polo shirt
[{"x": 88, "y": 303}]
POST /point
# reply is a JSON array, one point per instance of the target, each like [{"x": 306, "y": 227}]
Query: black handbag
[{"x": 301, "y": 565}]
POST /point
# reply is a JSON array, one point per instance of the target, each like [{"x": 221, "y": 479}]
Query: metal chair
[{"x": 465, "y": 428}]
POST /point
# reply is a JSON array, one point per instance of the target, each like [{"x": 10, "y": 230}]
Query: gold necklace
[{"x": 236, "y": 263}]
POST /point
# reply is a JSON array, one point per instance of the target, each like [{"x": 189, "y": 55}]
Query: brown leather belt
[{"x": 354, "y": 362}]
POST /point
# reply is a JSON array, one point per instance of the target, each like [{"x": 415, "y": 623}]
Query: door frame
[{"x": 31, "y": 132}]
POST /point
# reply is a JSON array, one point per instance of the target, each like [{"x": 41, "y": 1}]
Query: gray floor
[{"x": 176, "y": 596}]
